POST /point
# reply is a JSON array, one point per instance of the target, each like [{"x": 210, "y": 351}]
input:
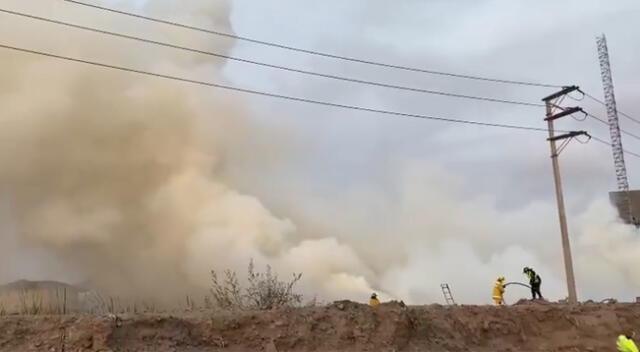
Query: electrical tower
[{"x": 624, "y": 201}]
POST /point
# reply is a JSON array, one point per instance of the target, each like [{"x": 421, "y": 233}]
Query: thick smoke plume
[
  {"x": 113, "y": 178},
  {"x": 115, "y": 173}
]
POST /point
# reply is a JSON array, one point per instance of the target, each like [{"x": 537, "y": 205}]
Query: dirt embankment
[{"x": 342, "y": 326}]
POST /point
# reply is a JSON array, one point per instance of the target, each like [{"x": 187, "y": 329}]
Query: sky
[
  {"x": 398, "y": 205},
  {"x": 483, "y": 39}
]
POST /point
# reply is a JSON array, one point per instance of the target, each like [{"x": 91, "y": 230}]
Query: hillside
[{"x": 342, "y": 326}]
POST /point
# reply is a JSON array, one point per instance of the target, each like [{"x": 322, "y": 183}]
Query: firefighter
[
  {"x": 498, "y": 291},
  {"x": 534, "y": 281},
  {"x": 374, "y": 302}
]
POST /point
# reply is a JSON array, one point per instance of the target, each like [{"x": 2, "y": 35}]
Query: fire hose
[{"x": 516, "y": 283}]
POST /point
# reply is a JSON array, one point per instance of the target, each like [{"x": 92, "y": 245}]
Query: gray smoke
[{"x": 115, "y": 178}]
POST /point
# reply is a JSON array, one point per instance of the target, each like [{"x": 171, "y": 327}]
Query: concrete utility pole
[{"x": 551, "y": 104}]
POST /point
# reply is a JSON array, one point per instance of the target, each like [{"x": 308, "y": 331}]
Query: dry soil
[{"x": 341, "y": 326}]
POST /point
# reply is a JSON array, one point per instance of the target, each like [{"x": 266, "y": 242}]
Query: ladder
[{"x": 446, "y": 291}]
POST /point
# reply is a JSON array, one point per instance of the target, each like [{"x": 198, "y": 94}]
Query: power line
[
  {"x": 342, "y": 106},
  {"x": 313, "y": 52},
  {"x": 588, "y": 114},
  {"x": 609, "y": 144},
  {"x": 311, "y": 73},
  {"x": 607, "y": 123},
  {"x": 273, "y": 95},
  {"x": 605, "y": 104}
]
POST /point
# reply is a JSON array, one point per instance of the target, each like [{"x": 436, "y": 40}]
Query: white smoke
[
  {"x": 114, "y": 173},
  {"x": 115, "y": 176}
]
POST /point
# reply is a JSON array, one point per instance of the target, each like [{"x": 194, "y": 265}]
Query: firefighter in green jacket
[{"x": 534, "y": 281}]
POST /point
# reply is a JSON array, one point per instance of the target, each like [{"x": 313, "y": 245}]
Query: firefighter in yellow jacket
[
  {"x": 374, "y": 302},
  {"x": 625, "y": 343},
  {"x": 498, "y": 291}
]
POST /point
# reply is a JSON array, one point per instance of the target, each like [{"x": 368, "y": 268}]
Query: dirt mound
[
  {"x": 532, "y": 302},
  {"x": 341, "y": 326}
]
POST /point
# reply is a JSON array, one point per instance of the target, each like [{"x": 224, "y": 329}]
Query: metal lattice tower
[{"x": 614, "y": 127}]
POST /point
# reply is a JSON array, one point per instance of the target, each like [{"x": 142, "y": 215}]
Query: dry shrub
[
  {"x": 31, "y": 302},
  {"x": 226, "y": 292},
  {"x": 191, "y": 304},
  {"x": 263, "y": 290},
  {"x": 57, "y": 302},
  {"x": 94, "y": 302}
]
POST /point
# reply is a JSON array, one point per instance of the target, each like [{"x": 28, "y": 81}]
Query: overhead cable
[
  {"x": 607, "y": 123},
  {"x": 314, "y": 52},
  {"x": 274, "y": 95},
  {"x": 285, "y": 68},
  {"x": 626, "y": 152},
  {"x": 605, "y": 104},
  {"x": 317, "y": 102}
]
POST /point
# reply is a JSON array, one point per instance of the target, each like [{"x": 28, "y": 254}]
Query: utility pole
[{"x": 551, "y": 103}]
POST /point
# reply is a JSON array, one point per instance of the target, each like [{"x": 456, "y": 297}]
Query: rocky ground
[{"x": 341, "y": 326}]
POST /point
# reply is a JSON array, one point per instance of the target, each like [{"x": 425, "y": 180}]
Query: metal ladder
[{"x": 446, "y": 291}]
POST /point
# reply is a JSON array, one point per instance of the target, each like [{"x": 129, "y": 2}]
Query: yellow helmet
[{"x": 500, "y": 278}]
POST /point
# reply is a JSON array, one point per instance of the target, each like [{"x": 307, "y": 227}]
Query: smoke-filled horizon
[{"x": 141, "y": 186}]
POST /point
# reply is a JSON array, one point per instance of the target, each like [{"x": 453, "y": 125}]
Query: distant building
[{"x": 618, "y": 200}]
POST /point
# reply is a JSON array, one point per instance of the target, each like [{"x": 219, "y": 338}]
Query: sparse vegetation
[
  {"x": 191, "y": 304},
  {"x": 264, "y": 290},
  {"x": 207, "y": 302},
  {"x": 260, "y": 290},
  {"x": 31, "y": 302},
  {"x": 57, "y": 304},
  {"x": 312, "y": 302},
  {"x": 96, "y": 303},
  {"x": 226, "y": 293},
  {"x": 38, "y": 298}
]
